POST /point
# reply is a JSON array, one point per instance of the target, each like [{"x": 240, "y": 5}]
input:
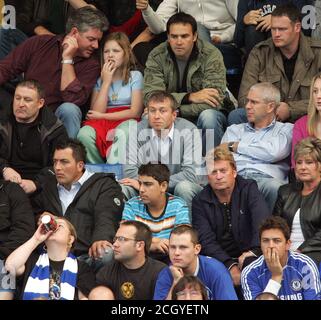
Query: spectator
[
  {"x": 93, "y": 202},
  {"x": 167, "y": 139},
  {"x": 184, "y": 251},
  {"x": 155, "y": 207},
  {"x": 193, "y": 71},
  {"x": 254, "y": 21},
  {"x": 308, "y": 126},
  {"x": 132, "y": 275},
  {"x": 117, "y": 97},
  {"x": 286, "y": 274},
  {"x": 261, "y": 146},
  {"x": 227, "y": 214},
  {"x": 28, "y": 136},
  {"x": 298, "y": 203},
  {"x": 72, "y": 70},
  {"x": 189, "y": 288},
  {"x": 296, "y": 59},
  {"x": 55, "y": 273},
  {"x": 215, "y": 22}
]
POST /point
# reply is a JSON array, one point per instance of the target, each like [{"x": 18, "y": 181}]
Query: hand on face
[
  {"x": 177, "y": 273},
  {"x": 272, "y": 260},
  {"x": 108, "y": 71},
  {"x": 70, "y": 47}
]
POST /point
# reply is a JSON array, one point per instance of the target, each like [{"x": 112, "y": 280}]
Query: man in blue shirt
[
  {"x": 261, "y": 146},
  {"x": 184, "y": 251},
  {"x": 161, "y": 211},
  {"x": 288, "y": 275}
]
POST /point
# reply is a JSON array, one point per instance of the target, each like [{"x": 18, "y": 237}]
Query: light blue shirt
[
  {"x": 67, "y": 196},
  {"x": 264, "y": 150}
]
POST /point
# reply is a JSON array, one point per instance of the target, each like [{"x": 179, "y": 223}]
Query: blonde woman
[
  {"x": 117, "y": 97},
  {"x": 309, "y": 125}
]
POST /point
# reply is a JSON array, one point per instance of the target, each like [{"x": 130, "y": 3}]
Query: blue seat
[{"x": 117, "y": 169}]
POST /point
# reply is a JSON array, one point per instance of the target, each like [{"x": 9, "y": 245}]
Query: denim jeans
[
  {"x": 9, "y": 39},
  {"x": 268, "y": 185},
  {"x": 237, "y": 116},
  {"x": 215, "y": 120},
  {"x": 70, "y": 115}
]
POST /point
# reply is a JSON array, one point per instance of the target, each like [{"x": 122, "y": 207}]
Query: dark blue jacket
[
  {"x": 244, "y": 6},
  {"x": 248, "y": 210}
]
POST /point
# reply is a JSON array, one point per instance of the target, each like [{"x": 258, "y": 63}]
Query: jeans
[
  {"x": 231, "y": 55},
  {"x": 268, "y": 185},
  {"x": 70, "y": 115},
  {"x": 237, "y": 116},
  {"x": 9, "y": 39},
  {"x": 215, "y": 120}
]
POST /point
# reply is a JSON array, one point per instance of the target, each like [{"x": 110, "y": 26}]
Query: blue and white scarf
[{"x": 38, "y": 282}]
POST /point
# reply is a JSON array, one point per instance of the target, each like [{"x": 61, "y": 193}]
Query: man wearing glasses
[{"x": 132, "y": 274}]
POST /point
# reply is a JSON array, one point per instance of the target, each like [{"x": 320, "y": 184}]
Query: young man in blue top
[
  {"x": 287, "y": 274},
  {"x": 184, "y": 251},
  {"x": 155, "y": 207}
]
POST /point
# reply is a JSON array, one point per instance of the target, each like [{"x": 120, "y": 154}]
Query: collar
[
  {"x": 197, "y": 266},
  {"x": 80, "y": 182},
  {"x": 249, "y": 126},
  {"x": 170, "y": 134}
]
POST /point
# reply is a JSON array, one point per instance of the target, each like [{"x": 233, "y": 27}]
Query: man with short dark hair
[
  {"x": 167, "y": 139},
  {"x": 63, "y": 64},
  {"x": 132, "y": 275},
  {"x": 193, "y": 72},
  {"x": 287, "y": 274},
  {"x": 184, "y": 249},
  {"x": 28, "y": 136},
  {"x": 155, "y": 207},
  {"x": 289, "y": 60},
  {"x": 92, "y": 202}
]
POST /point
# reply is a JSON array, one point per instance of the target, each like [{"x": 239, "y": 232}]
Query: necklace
[{"x": 114, "y": 95}]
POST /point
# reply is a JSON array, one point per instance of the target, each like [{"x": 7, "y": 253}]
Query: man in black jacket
[
  {"x": 92, "y": 202},
  {"x": 28, "y": 137},
  {"x": 17, "y": 225},
  {"x": 227, "y": 214}
]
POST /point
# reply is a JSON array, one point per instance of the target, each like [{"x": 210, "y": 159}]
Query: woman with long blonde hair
[{"x": 309, "y": 125}]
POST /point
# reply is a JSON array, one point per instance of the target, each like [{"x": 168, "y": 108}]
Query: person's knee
[
  {"x": 185, "y": 188},
  {"x": 236, "y": 116},
  {"x": 87, "y": 135},
  {"x": 101, "y": 293},
  {"x": 211, "y": 119},
  {"x": 69, "y": 110}
]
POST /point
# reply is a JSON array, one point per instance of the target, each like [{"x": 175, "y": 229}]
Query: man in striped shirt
[{"x": 155, "y": 207}]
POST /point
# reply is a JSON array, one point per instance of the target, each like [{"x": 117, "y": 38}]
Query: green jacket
[
  {"x": 205, "y": 70},
  {"x": 265, "y": 64}
]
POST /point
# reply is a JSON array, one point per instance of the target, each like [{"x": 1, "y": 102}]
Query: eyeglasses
[
  {"x": 192, "y": 293},
  {"x": 123, "y": 239}
]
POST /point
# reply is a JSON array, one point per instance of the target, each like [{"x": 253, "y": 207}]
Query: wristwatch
[
  {"x": 67, "y": 61},
  {"x": 230, "y": 146}
]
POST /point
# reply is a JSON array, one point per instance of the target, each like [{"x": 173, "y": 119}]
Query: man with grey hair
[
  {"x": 64, "y": 65},
  {"x": 261, "y": 146}
]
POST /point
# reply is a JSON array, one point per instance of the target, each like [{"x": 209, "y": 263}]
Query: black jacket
[
  {"x": 35, "y": 13},
  {"x": 17, "y": 223},
  {"x": 95, "y": 211},
  {"x": 51, "y": 131},
  {"x": 248, "y": 210},
  {"x": 289, "y": 201}
]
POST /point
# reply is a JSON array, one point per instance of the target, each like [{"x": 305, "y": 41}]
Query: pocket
[{"x": 272, "y": 78}]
